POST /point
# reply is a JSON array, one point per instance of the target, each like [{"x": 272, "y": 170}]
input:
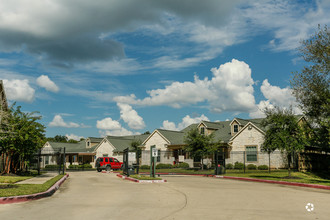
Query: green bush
[
  {"x": 262, "y": 167},
  {"x": 83, "y": 166},
  {"x": 144, "y": 167},
  {"x": 163, "y": 166},
  {"x": 229, "y": 166},
  {"x": 238, "y": 166},
  {"x": 183, "y": 165},
  {"x": 251, "y": 167},
  {"x": 52, "y": 166}
]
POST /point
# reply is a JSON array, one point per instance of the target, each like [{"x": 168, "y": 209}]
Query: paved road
[{"x": 92, "y": 195}]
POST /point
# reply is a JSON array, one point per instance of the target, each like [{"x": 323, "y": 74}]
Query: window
[
  {"x": 158, "y": 157},
  {"x": 235, "y": 128},
  {"x": 106, "y": 159},
  {"x": 111, "y": 160},
  {"x": 47, "y": 160},
  {"x": 202, "y": 130},
  {"x": 251, "y": 153},
  {"x": 116, "y": 160}
]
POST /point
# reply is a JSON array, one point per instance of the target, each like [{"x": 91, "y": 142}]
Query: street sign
[{"x": 154, "y": 152}]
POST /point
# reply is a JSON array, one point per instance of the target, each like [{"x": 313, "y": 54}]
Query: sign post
[{"x": 153, "y": 156}]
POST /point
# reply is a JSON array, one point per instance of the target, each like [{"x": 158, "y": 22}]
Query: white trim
[
  {"x": 160, "y": 134},
  {"x": 235, "y": 119},
  {"x": 246, "y": 126}
]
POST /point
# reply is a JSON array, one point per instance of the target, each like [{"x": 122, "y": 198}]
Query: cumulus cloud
[
  {"x": 19, "y": 90},
  {"x": 73, "y": 137},
  {"x": 59, "y": 122},
  {"x": 230, "y": 89},
  {"x": 108, "y": 126},
  {"x": 186, "y": 121},
  {"x": 45, "y": 82},
  {"x": 275, "y": 96},
  {"x": 131, "y": 117}
]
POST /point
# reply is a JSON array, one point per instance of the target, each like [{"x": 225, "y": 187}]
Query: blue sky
[{"x": 96, "y": 68}]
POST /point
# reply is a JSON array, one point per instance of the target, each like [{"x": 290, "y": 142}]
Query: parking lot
[{"x": 93, "y": 195}]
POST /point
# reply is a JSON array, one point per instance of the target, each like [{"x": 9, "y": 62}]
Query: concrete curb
[
  {"x": 141, "y": 181},
  {"x": 276, "y": 182},
  {"x": 24, "y": 198}
]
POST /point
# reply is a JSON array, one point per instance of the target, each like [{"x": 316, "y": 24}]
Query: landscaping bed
[{"x": 8, "y": 190}]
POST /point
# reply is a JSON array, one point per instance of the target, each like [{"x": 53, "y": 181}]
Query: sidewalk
[{"x": 39, "y": 179}]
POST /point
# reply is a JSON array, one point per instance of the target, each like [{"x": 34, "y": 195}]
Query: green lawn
[
  {"x": 13, "y": 179},
  {"x": 26, "y": 189},
  {"x": 279, "y": 175}
]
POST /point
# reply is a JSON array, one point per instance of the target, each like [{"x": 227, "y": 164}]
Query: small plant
[
  {"x": 262, "y": 167},
  {"x": 251, "y": 167},
  {"x": 163, "y": 166},
  {"x": 144, "y": 167},
  {"x": 238, "y": 166},
  {"x": 229, "y": 166},
  {"x": 183, "y": 165},
  {"x": 51, "y": 166}
]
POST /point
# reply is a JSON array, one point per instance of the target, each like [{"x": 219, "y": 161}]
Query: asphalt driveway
[{"x": 92, "y": 195}]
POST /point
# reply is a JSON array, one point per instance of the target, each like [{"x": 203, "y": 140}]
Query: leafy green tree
[
  {"x": 199, "y": 145},
  {"x": 22, "y": 136},
  {"x": 283, "y": 132},
  {"x": 311, "y": 86}
]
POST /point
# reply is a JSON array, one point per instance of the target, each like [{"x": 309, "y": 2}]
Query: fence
[
  {"x": 242, "y": 159},
  {"x": 52, "y": 160}
]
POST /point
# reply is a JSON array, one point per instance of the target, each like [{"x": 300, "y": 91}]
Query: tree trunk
[
  {"x": 202, "y": 163},
  {"x": 289, "y": 162}
]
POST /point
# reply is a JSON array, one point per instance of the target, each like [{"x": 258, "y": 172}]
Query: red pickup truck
[{"x": 107, "y": 163}]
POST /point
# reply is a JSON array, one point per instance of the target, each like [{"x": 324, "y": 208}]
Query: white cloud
[
  {"x": 186, "y": 121},
  {"x": 19, "y": 90},
  {"x": 120, "y": 132},
  {"x": 275, "y": 96},
  {"x": 45, "y": 82},
  {"x": 230, "y": 89},
  {"x": 59, "y": 122},
  {"x": 108, "y": 124},
  {"x": 73, "y": 137},
  {"x": 131, "y": 117}
]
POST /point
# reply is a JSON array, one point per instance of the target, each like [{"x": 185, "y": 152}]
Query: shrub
[
  {"x": 73, "y": 166},
  {"x": 183, "y": 165},
  {"x": 229, "y": 166},
  {"x": 52, "y": 166},
  {"x": 163, "y": 166},
  {"x": 83, "y": 166},
  {"x": 238, "y": 166},
  {"x": 144, "y": 167},
  {"x": 251, "y": 167},
  {"x": 262, "y": 167}
]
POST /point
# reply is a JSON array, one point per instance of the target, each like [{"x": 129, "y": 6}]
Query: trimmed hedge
[
  {"x": 262, "y": 167},
  {"x": 163, "y": 166},
  {"x": 144, "y": 167},
  {"x": 229, "y": 166},
  {"x": 181, "y": 165},
  {"x": 251, "y": 167},
  {"x": 52, "y": 166},
  {"x": 238, "y": 166},
  {"x": 84, "y": 166}
]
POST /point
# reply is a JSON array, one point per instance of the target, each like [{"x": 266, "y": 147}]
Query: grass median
[
  {"x": 10, "y": 189},
  {"x": 278, "y": 175}
]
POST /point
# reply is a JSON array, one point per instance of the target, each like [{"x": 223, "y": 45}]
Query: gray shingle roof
[
  {"x": 123, "y": 142},
  {"x": 79, "y": 147},
  {"x": 174, "y": 137}
]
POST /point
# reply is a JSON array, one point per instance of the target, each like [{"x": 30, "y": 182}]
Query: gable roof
[
  {"x": 174, "y": 137},
  {"x": 79, "y": 147},
  {"x": 120, "y": 143},
  {"x": 95, "y": 139}
]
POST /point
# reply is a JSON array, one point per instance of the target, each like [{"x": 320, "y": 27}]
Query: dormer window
[
  {"x": 88, "y": 143},
  {"x": 235, "y": 128},
  {"x": 202, "y": 130}
]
